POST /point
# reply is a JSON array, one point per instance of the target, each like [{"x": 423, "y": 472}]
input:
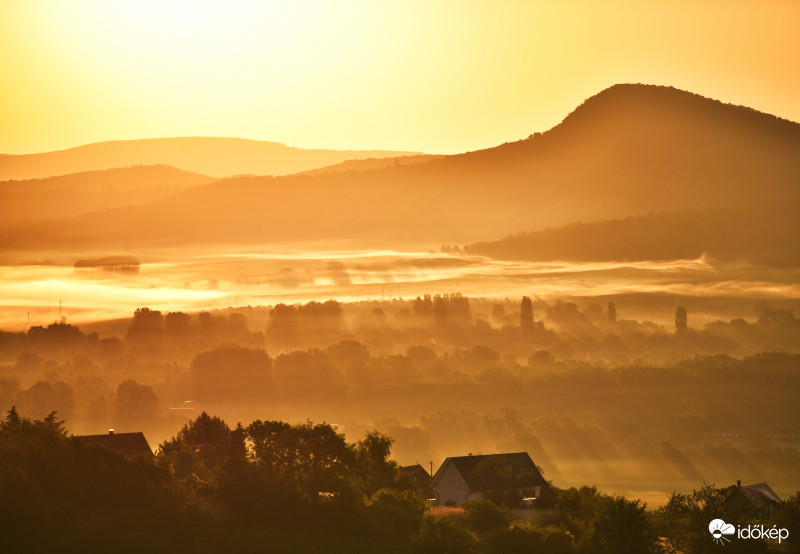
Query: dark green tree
[
  {"x": 12, "y": 419},
  {"x": 623, "y": 528},
  {"x": 377, "y": 470}
]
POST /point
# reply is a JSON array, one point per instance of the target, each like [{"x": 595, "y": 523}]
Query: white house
[{"x": 463, "y": 478}]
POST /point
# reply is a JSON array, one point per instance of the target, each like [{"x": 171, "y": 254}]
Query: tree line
[{"x": 280, "y": 487}]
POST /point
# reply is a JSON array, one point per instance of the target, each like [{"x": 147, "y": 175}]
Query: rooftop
[
  {"x": 129, "y": 445},
  {"x": 497, "y": 471}
]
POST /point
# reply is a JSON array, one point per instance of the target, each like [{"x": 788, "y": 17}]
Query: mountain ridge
[
  {"x": 127, "y": 177},
  {"x": 213, "y": 156},
  {"x": 653, "y": 149},
  {"x": 76, "y": 193},
  {"x": 762, "y": 234}
]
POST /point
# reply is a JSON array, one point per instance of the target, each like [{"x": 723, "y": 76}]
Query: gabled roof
[
  {"x": 129, "y": 445},
  {"x": 760, "y": 495},
  {"x": 496, "y": 471},
  {"x": 418, "y": 474}
]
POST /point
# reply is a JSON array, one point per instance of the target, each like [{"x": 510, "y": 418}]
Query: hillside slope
[
  {"x": 630, "y": 150},
  {"x": 762, "y": 234},
  {"x": 78, "y": 193}
]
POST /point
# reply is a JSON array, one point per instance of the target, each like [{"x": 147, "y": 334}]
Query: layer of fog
[{"x": 43, "y": 291}]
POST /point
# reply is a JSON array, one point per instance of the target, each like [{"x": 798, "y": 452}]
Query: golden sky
[{"x": 428, "y": 75}]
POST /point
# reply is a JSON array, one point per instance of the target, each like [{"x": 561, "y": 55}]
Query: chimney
[
  {"x": 110, "y": 431},
  {"x": 739, "y": 483}
]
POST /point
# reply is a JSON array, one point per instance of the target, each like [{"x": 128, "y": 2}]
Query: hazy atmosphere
[{"x": 288, "y": 276}]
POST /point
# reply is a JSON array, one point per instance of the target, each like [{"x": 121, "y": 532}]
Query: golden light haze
[{"x": 435, "y": 76}]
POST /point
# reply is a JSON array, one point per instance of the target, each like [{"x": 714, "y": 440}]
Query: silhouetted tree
[
  {"x": 230, "y": 374},
  {"x": 498, "y": 313},
  {"x": 135, "y": 404},
  {"x": 55, "y": 337},
  {"x": 622, "y": 528},
  {"x": 680, "y": 319},
  {"x": 146, "y": 330},
  {"x": 457, "y": 306},
  {"x": 612, "y": 313},
  {"x": 43, "y": 396},
  {"x": 372, "y": 455},
  {"x": 308, "y": 374},
  {"x": 526, "y": 315},
  {"x": 423, "y": 307},
  {"x": 315, "y": 459},
  {"x": 176, "y": 324},
  {"x": 203, "y": 452},
  {"x": 12, "y": 419}
]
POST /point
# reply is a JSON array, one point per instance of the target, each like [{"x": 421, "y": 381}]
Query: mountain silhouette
[
  {"x": 219, "y": 157},
  {"x": 629, "y": 150},
  {"x": 77, "y": 193},
  {"x": 119, "y": 178}
]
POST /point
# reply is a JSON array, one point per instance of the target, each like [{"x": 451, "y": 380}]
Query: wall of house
[{"x": 450, "y": 487}]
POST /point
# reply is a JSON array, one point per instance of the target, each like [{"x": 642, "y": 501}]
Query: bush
[
  {"x": 483, "y": 515},
  {"x": 444, "y": 535},
  {"x": 523, "y": 537},
  {"x": 396, "y": 513}
]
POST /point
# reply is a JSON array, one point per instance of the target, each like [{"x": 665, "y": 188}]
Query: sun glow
[{"x": 434, "y": 76}]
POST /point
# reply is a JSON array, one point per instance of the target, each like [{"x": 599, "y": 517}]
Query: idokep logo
[{"x": 720, "y": 531}]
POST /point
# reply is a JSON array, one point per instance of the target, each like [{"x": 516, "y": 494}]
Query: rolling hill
[
  {"x": 629, "y": 150},
  {"x": 77, "y": 193},
  {"x": 120, "y": 178},
  {"x": 219, "y": 157},
  {"x": 763, "y": 234}
]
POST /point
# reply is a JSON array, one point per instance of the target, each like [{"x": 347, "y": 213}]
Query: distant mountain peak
[{"x": 637, "y": 98}]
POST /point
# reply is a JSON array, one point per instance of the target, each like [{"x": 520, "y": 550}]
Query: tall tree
[
  {"x": 526, "y": 315},
  {"x": 12, "y": 419},
  {"x": 680, "y": 319},
  {"x": 612, "y": 313}
]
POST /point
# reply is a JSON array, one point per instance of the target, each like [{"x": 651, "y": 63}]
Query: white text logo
[{"x": 720, "y": 531}]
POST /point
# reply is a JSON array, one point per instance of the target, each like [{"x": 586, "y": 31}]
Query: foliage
[
  {"x": 623, "y": 528},
  {"x": 395, "y": 513},
  {"x": 444, "y": 535},
  {"x": 483, "y": 515},
  {"x": 523, "y": 537}
]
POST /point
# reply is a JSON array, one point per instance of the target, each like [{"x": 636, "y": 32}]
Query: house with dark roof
[
  {"x": 758, "y": 499},
  {"x": 130, "y": 445},
  {"x": 508, "y": 477},
  {"x": 420, "y": 477}
]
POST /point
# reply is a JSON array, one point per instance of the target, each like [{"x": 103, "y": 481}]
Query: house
[
  {"x": 419, "y": 476},
  {"x": 758, "y": 499},
  {"x": 508, "y": 478},
  {"x": 129, "y": 445}
]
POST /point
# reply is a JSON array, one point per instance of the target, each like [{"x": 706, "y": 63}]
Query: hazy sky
[{"x": 427, "y": 75}]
